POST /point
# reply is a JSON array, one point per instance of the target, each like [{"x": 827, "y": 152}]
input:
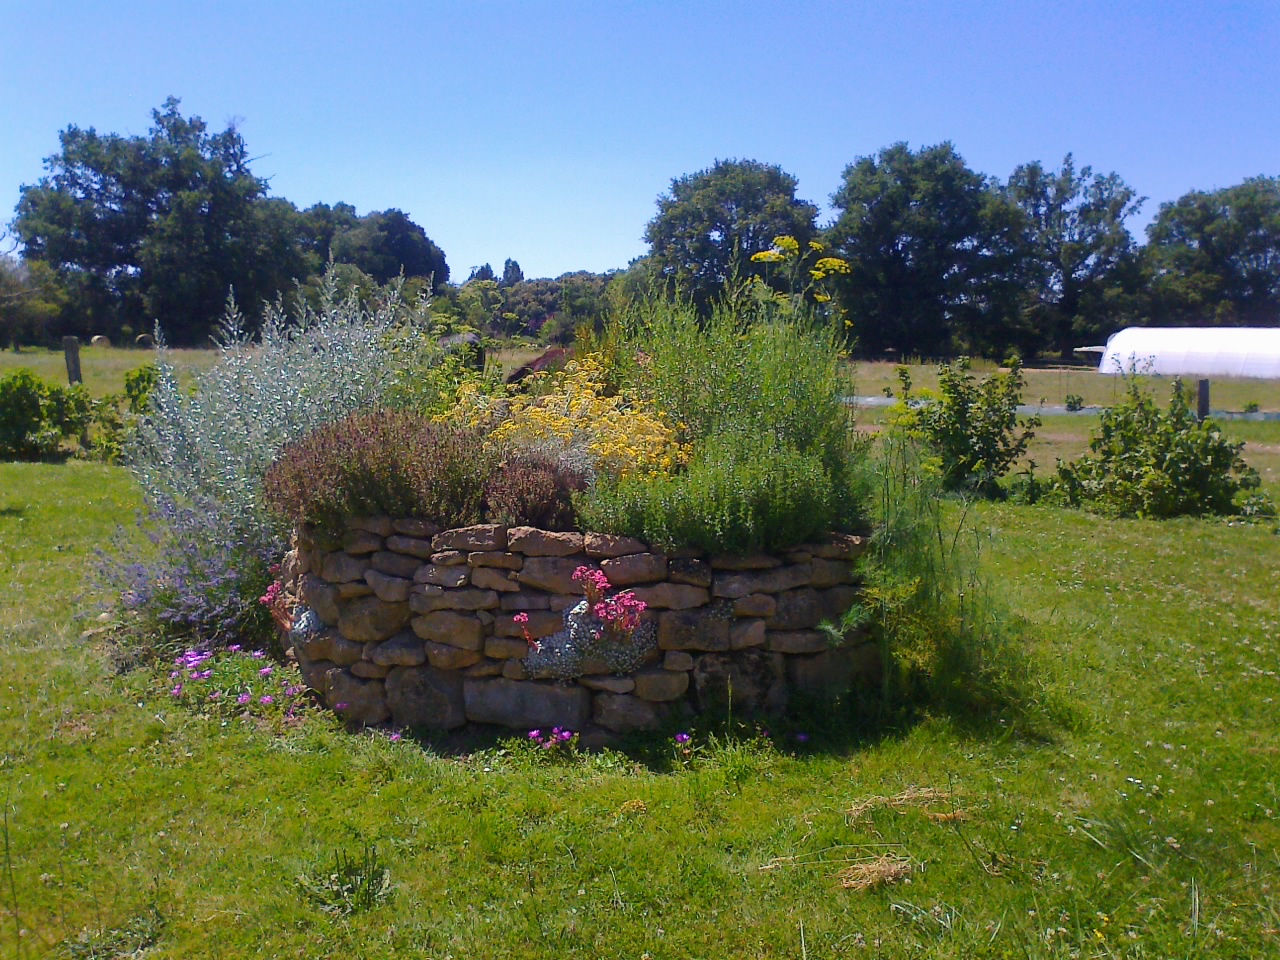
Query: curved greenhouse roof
[{"x": 1195, "y": 351}]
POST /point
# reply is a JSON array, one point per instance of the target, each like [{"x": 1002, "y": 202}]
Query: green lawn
[{"x": 1142, "y": 822}]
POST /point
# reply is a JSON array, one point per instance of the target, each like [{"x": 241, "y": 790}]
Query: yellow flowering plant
[
  {"x": 571, "y": 415},
  {"x": 805, "y": 270}
]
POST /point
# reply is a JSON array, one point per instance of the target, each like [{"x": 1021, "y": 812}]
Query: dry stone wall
[{"x": 419, "y": 626}]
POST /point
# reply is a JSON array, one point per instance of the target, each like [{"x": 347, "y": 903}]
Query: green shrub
[
  {"x": 739, "y": 494},
  {"x": 1075, "y": 402},
  {"x": 35, "y": 417},
  {"x": 971, "y": 425},
  {"x": 1145, "y": 462}
]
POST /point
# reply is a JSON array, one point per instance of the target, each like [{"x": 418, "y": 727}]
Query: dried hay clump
[
  {"x": 875, "y": 873},
  {"x": 911, "y": 797}
]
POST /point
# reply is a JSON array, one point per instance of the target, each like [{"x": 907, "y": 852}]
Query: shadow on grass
[{"x": 18, "y": 512}]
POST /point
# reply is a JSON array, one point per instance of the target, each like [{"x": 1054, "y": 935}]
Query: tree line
[
  {"x": 945, "y": 260},
  {"x": 124, "y": 231}
]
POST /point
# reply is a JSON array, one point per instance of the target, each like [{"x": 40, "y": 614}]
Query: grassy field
[{"x": 1139, "y": 817}]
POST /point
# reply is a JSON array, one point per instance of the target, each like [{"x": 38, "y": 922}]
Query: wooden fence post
[
  {"x": 1202, "y": 400},
  {"x": 71, "y": 347}
]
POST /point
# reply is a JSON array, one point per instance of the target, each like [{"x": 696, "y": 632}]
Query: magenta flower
[
  {"x": 802, "y": 738},
  {"x": 521, "y": 618},
  {"x": 267, "y": 699},
  {"x": 258, "y": 654},
  {"x": 682, "y": 738},
  {"x": 176, "y": 691},
  {"x": 394, "y": 737},
  {"x": 243, "y": 698},
  {"x": 235, "y": 648},
  {"x": 265, "y": 672},
  {"x": 535, "y": 734},
  {"x": 341, "y": 706}
]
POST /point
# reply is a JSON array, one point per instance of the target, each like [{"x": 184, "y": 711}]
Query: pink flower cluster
[
  {"x": 273, "y": 592},
  {"x": 594, "y": 583},
  {"x": 620, "y": 614},
  {"x": 554, "y": 738}
]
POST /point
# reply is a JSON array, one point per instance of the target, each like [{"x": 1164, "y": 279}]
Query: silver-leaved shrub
[{"x": 201, "y": 451}]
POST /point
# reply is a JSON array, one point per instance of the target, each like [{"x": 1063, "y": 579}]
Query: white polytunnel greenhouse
[{"x": 1194, "y": 352}]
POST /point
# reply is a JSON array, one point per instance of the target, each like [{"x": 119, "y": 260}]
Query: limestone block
[
  {"x": 696, "y": 573},
  {"x": 515, "y": 670},
  {"x": 388, "y": 588},
  {"x": 755, "y": 605},
  {"x": 735, "y": 585},
  {"x": 320, "y": 597},
  {"x": 693, "y": 630},
  {"x": 747, "y": 561},
  {"x": 339, "y": 567},
  {"x": 525, "y": 704},
  {"x": 495, "y": 558},
  {"x": 402, "y": 650},
  {"x": 830, "y": 573},
  {"x": 369, "y": 618},
  {"x": 542, "y": 623},
  {"x": 481, "y": 536},
  {"x": 396, "y": 564},
  {"x": 485, "y": 668},
  {"x": 839, "y": 546},
  {"x": 598, "y": 545},
  {"x": 368, "y": 670},
  {"x": 751, "y": 681},
  {"x": 448, "y": 558},
  {"x": 357, "y": 700},
  {"x": 795, "y": 641},
  {"x": 657, "y": 685},
  {"x": 506, "y": 648},
  {"x": 625, "y": 714},
  {"x": 672, "y": 596},
  {"x": 533, "y": 542},
  {"x": 443, "y": 576},
  {"x": 493, "y": 578},
  {"x": 608, "y": 683},
  {"x": 353, "y": 590},
  {"x": 379, "y": 526},
  {"x": 444, "y": 657},
  {"x": 746, "y": 632},
  {"x": 635, "y": 568},
  {"x": 454, "y": 600},
  {"x": 455, "y": 629},
  {"x": 553, "y": 574},
  {"x": 425, "y": 697},
  {"x": 422, "y": 529},
  {"x": 329, "y": 645},
  {"x": 357, "y": 542},
  {"x": 677, "y": 660},
  {"x": 528, "y": 600},
  {"x": 797, "y": 610}
]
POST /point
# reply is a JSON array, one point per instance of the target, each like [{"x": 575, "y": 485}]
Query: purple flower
[
  {"x": 535, "y": 734},
  {"x": 243, "y": 698},
  {"x": 235, "y": 648},
  {"x": 566, "y": 734},
  {"x": 265, "y": 672},
  {"x": 682, "y": 738},
  {"x": 267, "y": 699},
  {"x": 176, "y": 691},
  {"x": 394, "y": 737},
  {"x": 802, "y": 738},
  {"x": 258, "y": 654},
  {"x": 175, "y": 674},
  {"x": 341, "y": 706}
]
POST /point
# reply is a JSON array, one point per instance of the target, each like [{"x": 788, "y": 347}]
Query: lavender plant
[{"x": 200, "y": 454}]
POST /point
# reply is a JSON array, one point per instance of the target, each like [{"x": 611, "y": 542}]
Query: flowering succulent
[{"x": 599, "y": 627}]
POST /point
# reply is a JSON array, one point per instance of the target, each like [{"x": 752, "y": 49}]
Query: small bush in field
[
  {"x": 972, "y": 426},
  {"x": 738, "y": 495},
  {"x": 1148, "y": 462},
  {"x": 35, "y": 417},
  {"x": 533, "y": 490}
]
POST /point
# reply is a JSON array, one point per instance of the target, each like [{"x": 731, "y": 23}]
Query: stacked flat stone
[{"x": 420, "y": 628}]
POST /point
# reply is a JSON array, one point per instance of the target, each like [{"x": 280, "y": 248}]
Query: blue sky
[{"x": 545, "y": 131}]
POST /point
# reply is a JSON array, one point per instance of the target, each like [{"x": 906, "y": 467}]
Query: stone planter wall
[{"x": 419, "y": 626}]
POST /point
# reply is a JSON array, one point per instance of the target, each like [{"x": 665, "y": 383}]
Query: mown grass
[{"x": 1139, "y": 819}]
